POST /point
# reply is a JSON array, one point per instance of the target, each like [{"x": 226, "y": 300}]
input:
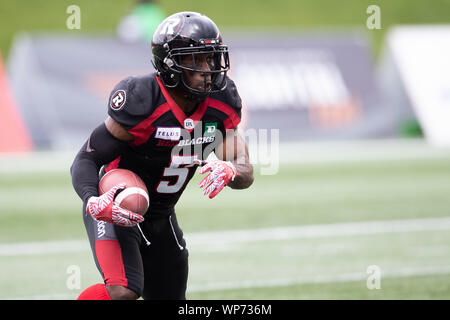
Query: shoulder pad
[
  {"x": 229, "y": 102},
  {"x": 230, "y": 96},
  {"x": 132, "y": 100}
]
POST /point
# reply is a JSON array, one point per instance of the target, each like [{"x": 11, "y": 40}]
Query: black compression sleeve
[{"x": 101, "y": 148}]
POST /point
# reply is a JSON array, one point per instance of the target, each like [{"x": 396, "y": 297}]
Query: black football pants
[{"x": 151, "y": 260}]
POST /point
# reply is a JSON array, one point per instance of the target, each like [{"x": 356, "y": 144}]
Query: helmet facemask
[{"x": 189, "y": 60}]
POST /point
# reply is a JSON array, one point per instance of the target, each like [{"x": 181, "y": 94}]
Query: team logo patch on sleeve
[{"x": 118, "y": 100}]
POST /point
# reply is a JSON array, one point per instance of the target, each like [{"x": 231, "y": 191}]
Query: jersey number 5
[{"x": 179, "y": 167}]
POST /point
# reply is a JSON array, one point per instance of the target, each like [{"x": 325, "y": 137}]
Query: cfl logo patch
[
  {"x": 189, "y": 124},
  {"x": 118, "y": 100}
]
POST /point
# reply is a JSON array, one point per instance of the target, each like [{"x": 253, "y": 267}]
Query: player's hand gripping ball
[
  {"x": 220, "y": 174},
  {"x": 123, "y": 199}
]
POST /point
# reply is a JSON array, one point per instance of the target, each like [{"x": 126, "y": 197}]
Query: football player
[{"x": 162, "y": 126}]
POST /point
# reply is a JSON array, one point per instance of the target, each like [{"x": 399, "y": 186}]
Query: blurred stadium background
[{"x": 353, "y": 203}]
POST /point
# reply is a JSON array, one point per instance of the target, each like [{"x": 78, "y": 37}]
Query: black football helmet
[{"x": 190, "y": 33}]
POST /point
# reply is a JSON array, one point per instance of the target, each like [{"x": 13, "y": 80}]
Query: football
[{"x": 134, "y": 197}]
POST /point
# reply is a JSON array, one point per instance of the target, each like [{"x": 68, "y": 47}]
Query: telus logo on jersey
[
  {"x": 118, "y": 100},
  {"x": 168, "y": 133}
]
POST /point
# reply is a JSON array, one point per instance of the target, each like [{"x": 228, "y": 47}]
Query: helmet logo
[{"x": 170, "y": 27}]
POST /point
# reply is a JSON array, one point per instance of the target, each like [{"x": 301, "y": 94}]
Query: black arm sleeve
[{"x": 101, "y": 148}]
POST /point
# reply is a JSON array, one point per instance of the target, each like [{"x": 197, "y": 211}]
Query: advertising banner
[{"x": 309, "y": 86}]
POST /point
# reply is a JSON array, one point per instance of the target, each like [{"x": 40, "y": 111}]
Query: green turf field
[{"x": 309, "y": 232}]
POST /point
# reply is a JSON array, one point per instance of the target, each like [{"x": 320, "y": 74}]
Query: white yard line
[
  {"x": 359, "y": 150},
  {"x": 323, "y": 278},
  {"x": 206, "y": 240},
  {"x": 55, "y": 296},
  {"x": 35, "y": 162},
  {"x": 286, "y": 152},
  {"x": 268, "y": 283},
  {"x": 43, "y": 247},
  {"x": 318, "y": 231}
]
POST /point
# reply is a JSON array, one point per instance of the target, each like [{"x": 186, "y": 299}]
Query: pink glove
[
  {"x": 221, "y": 173},
  {"x": 103, "y": 208}
]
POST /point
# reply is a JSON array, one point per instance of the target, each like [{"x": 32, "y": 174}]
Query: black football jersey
[{"x": 166, "y": 140}]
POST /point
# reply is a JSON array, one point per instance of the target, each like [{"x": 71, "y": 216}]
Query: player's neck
[{"x": 185, "y": 104}]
